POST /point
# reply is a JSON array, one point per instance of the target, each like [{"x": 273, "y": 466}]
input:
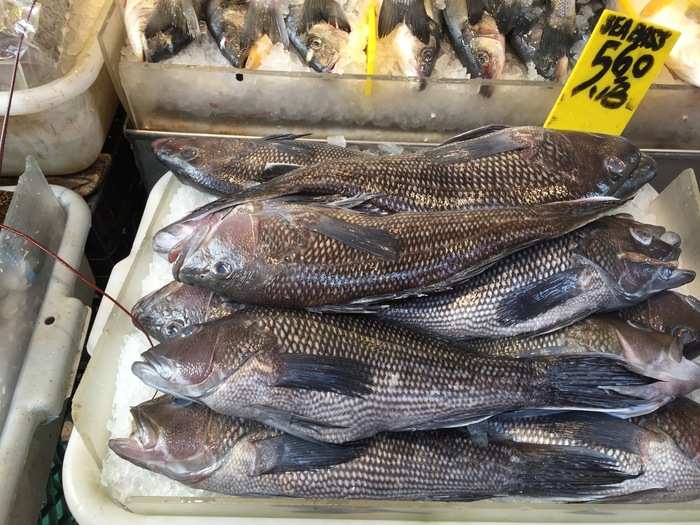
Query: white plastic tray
[
  {"x": 90, "y": 502},
  {"x": 28, "y": 439},
  {"x": 64, "y": 123}
]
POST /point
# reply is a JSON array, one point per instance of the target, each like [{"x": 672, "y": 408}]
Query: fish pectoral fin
[
  {"x": 275, "y": 169},
  {"x": 280, "y": 137},
  {"x": 291, "y": 423},
  {"x": 370, "y": 240},
  {"x": 539, "y": 297},
  {"x": 641, "y": 496},
  {"x": 339, "y": 375},
  {"x": 474, "y": 133},
  {"x": 287, "y": 453},
  {"x": 316, "y": 11},
  {"x": 454, "y": 418},
  {"x": 409, "y": 12},
  {"x": 458, "y": 151}
]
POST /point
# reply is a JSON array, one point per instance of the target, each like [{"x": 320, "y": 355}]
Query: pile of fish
[
  {"x": 484, "y": 36},
  {"x": 465, "y": 322}
]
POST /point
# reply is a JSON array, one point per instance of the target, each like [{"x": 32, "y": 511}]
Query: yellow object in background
[
  {"x": 623, "y": 56},
  {"x": 371, "y": 44}
]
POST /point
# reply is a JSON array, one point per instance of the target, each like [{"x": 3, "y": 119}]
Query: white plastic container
[
  {"x": 91, "y": 504},
  {"x": 64, "y": 123},
  {"x": 28, "y": 438}
]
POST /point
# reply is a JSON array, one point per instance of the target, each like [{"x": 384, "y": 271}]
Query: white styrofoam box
[{"x": 96, "y": 402}]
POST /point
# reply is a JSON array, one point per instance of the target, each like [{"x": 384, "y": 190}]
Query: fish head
[
  {"x": 176, "y": 438},
  {"x": 637, "y": 260},
  {"x": 224, "y": 256},
  {"x": 490, "y": 47},
  {"x": 614, "y": 167},
  {"x": 679, "y": 420},
  {"x": 325, "y": 44},
  {"x": 679, "y": 315}
]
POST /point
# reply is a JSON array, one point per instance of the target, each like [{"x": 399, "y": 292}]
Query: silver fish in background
[
  {"x": 665, "y": 471},
  {"x": 191, "y": 444},
  {"x": 173, "y": 309},
  {"x": 642, "y": 349},
  {"x": 225, "y": 166},
  {"x": 341, "y": 378},
  {"x": 670, "y": 312},
  {"x": 302, "y": 256},
  {"x": 490, "y": 166},
  {"x": 225, "y": 19},
  {"x": 607, "y": 265},
  {"x": 158, "y": 29}
]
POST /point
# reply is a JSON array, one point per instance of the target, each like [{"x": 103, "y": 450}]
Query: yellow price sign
[{"x": 622, "y": 58}]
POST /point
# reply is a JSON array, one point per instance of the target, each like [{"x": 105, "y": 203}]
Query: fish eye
[
  {"x": 173, "y": 328},
  {"x": 482, "y": 57},
  {"x": 427, "y": 53},
  {"x": 222, "y": 269},
  {"x": 615, "y": 165},
  {"x": 666, "y": 273},
  {"x": 188, "y": 153},
  {"x": 316, "y": 43}
]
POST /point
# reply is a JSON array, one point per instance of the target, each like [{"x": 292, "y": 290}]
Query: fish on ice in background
[
  {"x": 642, "y": 349},
  {"x": 665, "y": 472},
  {"x": 191, "y": 444},
  {"x": 225, "y": 21},
  {"x": 264, "y": 18},
  {"x": 158, "y": 29},
  {"x": 558, "y": 34},
  {"x": 489, "y": 166},
  {"x": 683, "y": 16},
  {"x": 402, "y": 53},
  {"x": 672, "y": 313},
  {"x": 339, "y": 378},
  {"x": 173, "y": 309},
  {"x": 225, "y": 166},
  {"x": 411, "y": 13},
  {"x": 322, "y": 257},
  {"x": 490, "y": 47},
  {"x": 461, "y": 35},
  {"x": 604, "y": 266}
]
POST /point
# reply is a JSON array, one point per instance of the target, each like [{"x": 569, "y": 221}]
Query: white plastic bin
[
  {"x": 28, "y": 438},
  {"x": 91, "y": 504},
  {"x": 64, "y": 123}
]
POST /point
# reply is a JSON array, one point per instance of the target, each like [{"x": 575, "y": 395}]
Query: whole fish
[
  {"x": 491, "y": 166},
  {"x": 300, "y": 256},
  {"x": 461, "y": 35},
  {"x": 670, "y": 312},
  {"x": 158, "y": 29},
  {"x": 643, "y": 349},
  {"x": 225, "y": 166},
  {"x": 607, "y": 265},
  {"x": 663, "y": 471},
  {"x": 191, "y": 444},
  {"x": 341, "y": 378},
  {"x": 173, "y": 309},
  {"x": 225, "y": 20}
]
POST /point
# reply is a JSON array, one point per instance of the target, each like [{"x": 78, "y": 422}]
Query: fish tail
[
  {"x": 564, "y": 472},
  {"x": 264, "y": 18},
  {"x": 599, "y": 383},
  {"x": 409, "y": 12},
  {"x": 330, "y": 11}
]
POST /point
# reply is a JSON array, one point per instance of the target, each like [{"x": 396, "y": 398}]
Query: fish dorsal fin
[
  {"x": 284, "y": 136},
  {"x": 316, "y": 11},
  {"x": 476, "y": 148},
  {"x": 474, "y": 133},
  {"x": 285, "y": 453}
]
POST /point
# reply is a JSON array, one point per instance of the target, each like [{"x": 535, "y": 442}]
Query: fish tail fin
[
  {"x": 330, "y": 11},
  {"x": 264, "y": 18},
  {"x": 409, "y": 12},
  {"x": 183, "y": 16},
  {"x": 599, "y": 383},
  {"x": 565, "y": 472}
]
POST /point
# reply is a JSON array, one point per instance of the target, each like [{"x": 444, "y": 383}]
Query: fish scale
[
  {"x": 527, "y": 292},
  {"x": 391, "y": 378}
]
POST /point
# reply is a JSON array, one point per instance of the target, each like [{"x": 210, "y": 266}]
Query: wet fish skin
[
  {"x": 191, "y": 444},
  {"x": 645, "y": 350},
  {"x": 225, "y": 166},
  {"x": 485, "y": 167},
  {"x": 225, "y": 20},
  {"x": 604, "y": 266},
  {"x": 461, "y": 35},
  {"x": 663, "y": 472},
  {"x": 336, "y": 378},
  {"x": 670, "y": 312},
  {"x": 175, "y": 308},
  {"x": 294, "y": 256}
]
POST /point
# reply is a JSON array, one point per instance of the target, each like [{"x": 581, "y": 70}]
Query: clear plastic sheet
[{"x": 25, "y": 272}]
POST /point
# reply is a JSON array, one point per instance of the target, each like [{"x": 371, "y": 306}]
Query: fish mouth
[{"x": 644, "y": 172}]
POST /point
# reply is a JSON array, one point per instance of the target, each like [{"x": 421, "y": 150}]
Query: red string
[{"x": 79, "y": 275}]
